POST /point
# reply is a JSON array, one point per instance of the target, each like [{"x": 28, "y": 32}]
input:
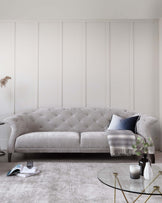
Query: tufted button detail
[{"x": 69, "y": 119}]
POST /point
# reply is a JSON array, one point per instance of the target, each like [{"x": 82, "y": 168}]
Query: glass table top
[{"x": 139, "y": 186}]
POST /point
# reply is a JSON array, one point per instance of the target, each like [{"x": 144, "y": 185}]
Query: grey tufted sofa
[{"x": 66, "y": 130}]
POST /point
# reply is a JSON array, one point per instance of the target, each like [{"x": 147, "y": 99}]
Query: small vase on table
[
  {"x": 148, "y": 173},
  {"x": 142, "y": 163}
]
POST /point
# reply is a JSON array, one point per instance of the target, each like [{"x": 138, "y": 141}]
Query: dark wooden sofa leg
[
  {"x": 152, "y": 158},
  {"x": 9, "y": 157}
]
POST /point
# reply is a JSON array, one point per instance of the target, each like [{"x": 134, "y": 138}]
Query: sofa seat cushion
[
  {"x": 94, "y": 140},
  {"x": 48, "y": 140}
]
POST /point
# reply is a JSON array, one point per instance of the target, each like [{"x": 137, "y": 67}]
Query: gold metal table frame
[{"x": 155, "y": 188}]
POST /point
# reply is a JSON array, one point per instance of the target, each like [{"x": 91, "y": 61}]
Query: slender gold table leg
[
  {"x": 122, "y": 190},
  {"x": 155, "y": 188},
  {"x": 160, "y": 173},
  {"x": 159, "y": 191},
  {"x": 116, "y": 178},
  {"x": 115, "y": 174}
]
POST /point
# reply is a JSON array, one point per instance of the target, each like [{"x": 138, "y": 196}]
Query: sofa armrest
[
  {"x": 18, "y": 125},
  {"x": 144, "y": 126}
]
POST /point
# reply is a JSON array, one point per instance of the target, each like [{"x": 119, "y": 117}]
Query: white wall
[
  {"x": 160, "y": 78},
  {"x": 80, "y": 9},
  {"x": 79, "y": 63}
]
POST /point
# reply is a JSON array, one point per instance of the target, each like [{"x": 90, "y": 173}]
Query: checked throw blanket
[{"x": 120, "y": 142}]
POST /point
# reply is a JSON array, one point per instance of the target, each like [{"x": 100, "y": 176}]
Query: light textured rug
[{"x": 61, "y": 182}]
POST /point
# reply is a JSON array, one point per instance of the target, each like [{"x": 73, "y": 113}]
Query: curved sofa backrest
[{"x": 72, "y": 119}]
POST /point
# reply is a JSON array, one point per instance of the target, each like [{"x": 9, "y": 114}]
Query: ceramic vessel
[
  {"x": 148, "y": 173},
  {"x": 142, "y": 163}
]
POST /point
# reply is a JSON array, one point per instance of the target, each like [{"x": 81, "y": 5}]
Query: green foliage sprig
[{"x": 142, "y": 146}]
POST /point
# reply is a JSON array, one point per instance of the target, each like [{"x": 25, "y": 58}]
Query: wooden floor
[{"x": 18, "y": 157}]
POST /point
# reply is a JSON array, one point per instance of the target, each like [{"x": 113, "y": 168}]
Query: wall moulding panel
[
  {"x": 96, "y": 64},
  {"x": 73, "y": 63},
  {"x": 77, "y": 63},
  {"x": 145, "y": 68},
  {"x": 120, "y": 64},
  {"x": 160, "y": 78},
  {"x": 81, "y": 63},
  {"x": 49, "y": 64},
  {"x": 26, "y": 66},
  {"x": 7, "y": 36}
]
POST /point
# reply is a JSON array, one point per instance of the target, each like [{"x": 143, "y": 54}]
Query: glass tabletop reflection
[{"x": 139, "y": 186}]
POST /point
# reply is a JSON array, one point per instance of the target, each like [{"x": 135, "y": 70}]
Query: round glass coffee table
[{"x": 117, "y": 176}]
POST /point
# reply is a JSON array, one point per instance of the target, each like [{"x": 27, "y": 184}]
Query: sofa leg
[
  {"x": 9, "y": 157},
  {"x": 152, "y": 158}
]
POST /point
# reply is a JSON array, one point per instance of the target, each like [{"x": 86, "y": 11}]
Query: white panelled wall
[{"x": 78, "y": 63}]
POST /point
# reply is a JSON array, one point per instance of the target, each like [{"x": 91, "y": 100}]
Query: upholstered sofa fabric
[
  {"x": 48, "y": 140},
  {"x": 94, "y": 140},
  {"x": 67, "y": 129}
]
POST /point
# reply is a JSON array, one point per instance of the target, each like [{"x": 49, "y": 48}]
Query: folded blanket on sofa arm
[{"x": 121, "y": 141}]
